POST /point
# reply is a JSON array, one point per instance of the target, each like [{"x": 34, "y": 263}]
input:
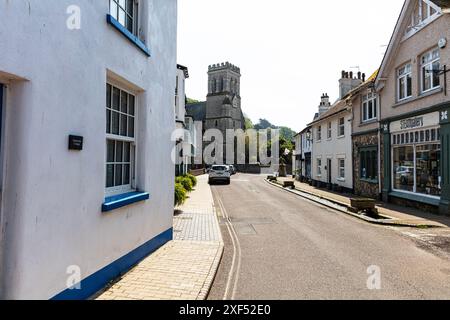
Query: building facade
[
  {"x": 415, "y": 127},
  {"x": 86, "y": 177},
  {"x": 182, "y": 144},
  {"x": 332, "y": 163},
  {"x": 365, "y": 137}
]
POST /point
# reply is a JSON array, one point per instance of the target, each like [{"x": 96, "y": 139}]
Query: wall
[
  {"x": 52, "y": 198},
  {"x": 334, "y": 149},
  {"x": 411, "y": 50}
]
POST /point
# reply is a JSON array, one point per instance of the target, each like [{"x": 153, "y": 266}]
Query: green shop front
[{"x": 416, "y": 150}]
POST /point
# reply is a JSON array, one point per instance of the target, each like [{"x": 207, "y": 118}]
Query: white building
[
  {"x": 181, "y": 138},
  {"x": 331, "y": 161},
  {"x": 86, "y": 213},
  {"x": 306, "y": 153}
]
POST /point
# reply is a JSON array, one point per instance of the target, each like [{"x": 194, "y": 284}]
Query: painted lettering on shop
[{"x": 412, "y": 123}]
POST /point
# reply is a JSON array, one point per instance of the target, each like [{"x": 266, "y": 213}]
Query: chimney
[
  {"x": 348, "y": 83},
  {"x": 324, "y": 104},
  {"x": 364, "y": 77}
]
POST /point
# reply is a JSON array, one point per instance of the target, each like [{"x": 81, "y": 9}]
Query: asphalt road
[{"x": 280, "y": 246}]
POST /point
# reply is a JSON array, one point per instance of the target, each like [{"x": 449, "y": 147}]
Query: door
[{"x": 329, "y": 170}]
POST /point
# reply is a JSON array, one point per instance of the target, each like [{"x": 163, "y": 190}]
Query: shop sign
[{"x": 427, "y": 120}]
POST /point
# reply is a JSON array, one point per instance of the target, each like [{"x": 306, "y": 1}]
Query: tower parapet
[{"x": 224, "y": 66}]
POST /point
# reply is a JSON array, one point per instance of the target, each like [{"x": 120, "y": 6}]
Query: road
[{"x": 285, "y": 247}]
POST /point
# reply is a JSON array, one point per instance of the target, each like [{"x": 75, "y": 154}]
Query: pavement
[
  {"x": 394, "y": 215},
  {"x": 283, "y": 246},
  {"x": 183, "y": 269}
]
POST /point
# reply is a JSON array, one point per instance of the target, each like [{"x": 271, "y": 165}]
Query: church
[{"x": 222, "y": 108}]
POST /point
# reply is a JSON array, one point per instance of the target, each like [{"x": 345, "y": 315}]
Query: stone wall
[{"x": 362, "y": 187}]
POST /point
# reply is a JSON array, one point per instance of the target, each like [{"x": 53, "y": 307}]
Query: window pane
[
  {"x": 122, "y": 17},
  {"x": 403, "y": 158},
  {"x": 365, "y": 111},
  {"x": 119, "y": 151},
  {"x": 110, "y": 151},
  {"x": 116, "y": 99},
  {"x": 127, "y": 152},
  {"x": 426, "y": 76},
  {"x": 409, "y": 86},
  {"x": 108, "y": 96},
  {"x": 123, "y": 125},
  {"x": 110, "y": 176},
  {"x": 375, "y": 107},
  {"x": 436, "y": 76},
  {"x": 108, "y": 121},
  {"x": 428, "y": 169},
  {"x": 113, "y": 9},
  {"x": 118, "y": 174},
  {"x": 131, "y": 127},
  {"x": 401, "y": 88},
  {"x": 126, "y": 174},
  {"x": 115, "y": 123},
  {"x": 123, "y": 102},
  {"x": 131, "y": 105}
]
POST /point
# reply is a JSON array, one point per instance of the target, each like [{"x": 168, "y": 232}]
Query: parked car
[
  {"x": 232, "y": 169},
  {"x": 406, "y": 174},
  {"x": 219, "y": 173}
]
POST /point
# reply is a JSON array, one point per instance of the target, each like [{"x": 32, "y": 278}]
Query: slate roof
[{"x": 197, "y": 111}]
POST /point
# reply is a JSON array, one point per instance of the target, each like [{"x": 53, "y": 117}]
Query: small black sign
[{"x": 75, "y": 143}]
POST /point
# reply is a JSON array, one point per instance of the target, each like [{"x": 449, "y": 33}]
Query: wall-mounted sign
[
  {"x": 445, "y": 116},
  {"x": 423, "y": 121},
  {"x": 75, "y": 143}
]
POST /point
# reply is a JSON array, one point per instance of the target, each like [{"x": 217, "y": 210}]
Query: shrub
[
  {"x": 185, "y": 182},
  {"x": 180, "y": 194},
  {"x": 192, "y": 178}
]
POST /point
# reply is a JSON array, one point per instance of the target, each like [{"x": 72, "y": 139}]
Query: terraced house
[
  {"x": 87, "y": 106},
  {"x": 415, "y": 107}
]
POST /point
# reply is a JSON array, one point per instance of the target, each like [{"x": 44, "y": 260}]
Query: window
[
  {"x": 329, "y": 130},
  {"x": 416, "y": 162},
  {"x": 404, "y": 82},
  {"x": 319, "y": 133},
  {"x": 424, "y": 12},
  {"x": 319, "y": 167},
  {"x": 341, "y": 127},
  {"x": 368, "y": 159},
  {"x": 120, "y": 140},
  {"x": 369, "y": 107},
  {"x": 341, "y": 169},
  {"x": 430, "y": 66},
  {"x": 126, "y": 12}
]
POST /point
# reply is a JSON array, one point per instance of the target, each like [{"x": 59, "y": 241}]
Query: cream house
[{"x": 415, "y": 107}]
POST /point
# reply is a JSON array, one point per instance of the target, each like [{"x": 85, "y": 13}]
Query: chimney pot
[
  {"x": 363, "y": 77},
  {"x": 359, "y": 75},
  {"x": 351, "y": 74}
]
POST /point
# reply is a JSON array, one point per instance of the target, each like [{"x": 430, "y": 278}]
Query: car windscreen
[{"x": 219, "y": 168}]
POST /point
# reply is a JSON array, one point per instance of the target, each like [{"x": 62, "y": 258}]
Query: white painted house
[
  {"x": 181, "y": 138},
  {"x": 87, "y": 116},
  {"x": 331, "y": 161}
]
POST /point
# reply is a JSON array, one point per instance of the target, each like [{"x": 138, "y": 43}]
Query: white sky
[{"x": 289, "y": 51}]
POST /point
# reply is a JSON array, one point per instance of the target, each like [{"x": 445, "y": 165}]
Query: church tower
[{"x": 223, "y": 104}]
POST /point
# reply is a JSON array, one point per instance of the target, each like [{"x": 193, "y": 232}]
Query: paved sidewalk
[
  {"x": 400, "y": 215},
  {"x": 183, "y": 269}
]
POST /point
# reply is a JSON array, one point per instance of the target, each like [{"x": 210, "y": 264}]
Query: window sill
[
  {"x": 422, "y": 95},
  {"x": 123, "y": 200},
  {"x": 341, "y": 179},
  {"x": 369, "y": 181},
  {"x": 367, "y": 122},
  {"x": 133, "y": 39},
  {"x": 415, "y": 197}
]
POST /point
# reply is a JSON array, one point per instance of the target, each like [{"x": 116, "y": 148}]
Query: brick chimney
[{"x": 348, "y": 82}]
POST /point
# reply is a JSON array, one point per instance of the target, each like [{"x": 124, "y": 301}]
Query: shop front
[{"x": 416, "y": 151}]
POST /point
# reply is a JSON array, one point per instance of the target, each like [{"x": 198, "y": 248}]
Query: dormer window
[{"x": 424, "y": 13}]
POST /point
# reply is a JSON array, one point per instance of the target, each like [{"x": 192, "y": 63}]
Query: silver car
[{"x": 219, "y": 173}]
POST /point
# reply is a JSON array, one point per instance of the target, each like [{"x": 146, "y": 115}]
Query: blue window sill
[
  {"x": 123, "y": 200},
  {"x": 135, "y": 40}
]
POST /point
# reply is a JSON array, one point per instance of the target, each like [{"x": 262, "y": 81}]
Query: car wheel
[{"x": 228, "y": 182}]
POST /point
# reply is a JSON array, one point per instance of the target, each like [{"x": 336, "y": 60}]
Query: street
[{"x": 280, "y": 246}]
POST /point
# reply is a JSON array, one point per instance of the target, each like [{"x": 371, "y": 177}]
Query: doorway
[{"x": 329, "y": 171}]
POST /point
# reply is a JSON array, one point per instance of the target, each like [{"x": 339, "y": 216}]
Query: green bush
[
  {"x": 185, "y": 182},
  {"x": 193, "y": 179},
  {"x": 180, "y": 194}
]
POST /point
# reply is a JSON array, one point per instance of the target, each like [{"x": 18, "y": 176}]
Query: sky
[{"x": 289, "y": 51}]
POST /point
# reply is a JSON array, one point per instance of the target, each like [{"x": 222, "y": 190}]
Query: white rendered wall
[{"x": 52, "y": 197}]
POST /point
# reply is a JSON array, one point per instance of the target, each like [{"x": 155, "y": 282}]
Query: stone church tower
[{"x": 223, "y": 103}]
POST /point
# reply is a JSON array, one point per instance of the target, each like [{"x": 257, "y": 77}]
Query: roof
[
  {"x": 397, "y": 36},
  {"x": 196, "y": 111},
  {"x": 184, "y": 69}
]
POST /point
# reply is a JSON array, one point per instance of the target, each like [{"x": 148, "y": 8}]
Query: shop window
[{"x": 368, "y": 163}]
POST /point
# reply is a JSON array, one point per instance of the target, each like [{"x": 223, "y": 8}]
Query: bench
[{"x": 366, "y": 205}]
